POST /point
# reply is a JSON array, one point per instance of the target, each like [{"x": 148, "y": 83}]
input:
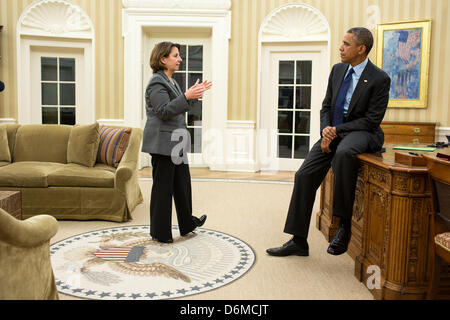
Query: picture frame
[{"x": 403, "y": 52}]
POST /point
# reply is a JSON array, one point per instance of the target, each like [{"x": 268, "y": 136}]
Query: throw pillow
[
  {"x": 5, "y": 155},
  {"x": 83, "y": 145},
  {"x": 112, "y": 146}
]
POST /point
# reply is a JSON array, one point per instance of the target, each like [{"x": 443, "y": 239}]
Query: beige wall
[
  {"x": 247, "y": 16},
  {"x": 106, "y": 17}
]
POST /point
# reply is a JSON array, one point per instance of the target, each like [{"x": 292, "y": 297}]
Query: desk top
[{"x": 387, "y": 159}]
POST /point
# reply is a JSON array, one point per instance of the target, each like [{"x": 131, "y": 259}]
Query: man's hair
[
  {"x": 161, "y": 50},
  {"x": 362, "y": 36}
]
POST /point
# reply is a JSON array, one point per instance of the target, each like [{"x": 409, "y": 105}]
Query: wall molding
[
  {"x": 178, "y": 4},
  {"x": 111, "y": 122},
  {"x": 8, "y": 121},
  {"x": 56, "y": 18},
  {"x": 282, "y": 24},
  {"x": 240, "y": 146}
]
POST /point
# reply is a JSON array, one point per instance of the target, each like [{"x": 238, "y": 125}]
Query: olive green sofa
[{"x": 52, "y": 185}]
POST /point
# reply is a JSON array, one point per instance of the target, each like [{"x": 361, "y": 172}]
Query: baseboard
[
  {"x": 111, "y": 122},
  {"x": 8, "y": 121}
]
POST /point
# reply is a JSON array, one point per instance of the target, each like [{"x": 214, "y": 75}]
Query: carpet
[{"x": 124, "y": 263}]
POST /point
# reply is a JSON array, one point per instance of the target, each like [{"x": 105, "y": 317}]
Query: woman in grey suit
[{"x": 167, "y": 140}]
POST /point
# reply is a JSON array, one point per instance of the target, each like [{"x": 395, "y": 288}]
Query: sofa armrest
[
  {"x": 27, "y": 233},
  {"x": 129, "y": 162}
]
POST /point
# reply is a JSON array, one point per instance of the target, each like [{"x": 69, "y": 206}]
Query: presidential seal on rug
[{"x": 125, "y": 263}]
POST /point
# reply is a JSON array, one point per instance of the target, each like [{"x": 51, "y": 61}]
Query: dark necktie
[{"x": 338, "y": 116}]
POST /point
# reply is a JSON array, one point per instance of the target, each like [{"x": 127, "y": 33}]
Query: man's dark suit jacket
[{"x": 367, "y": 106}]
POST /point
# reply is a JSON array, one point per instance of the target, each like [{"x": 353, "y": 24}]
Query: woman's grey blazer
[{"x": 165, "y": 131}]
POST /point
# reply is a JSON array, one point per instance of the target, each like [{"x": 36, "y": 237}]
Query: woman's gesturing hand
[{"x": 197, "y": 90}]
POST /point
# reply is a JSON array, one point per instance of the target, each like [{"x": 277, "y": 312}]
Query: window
[
  {"x": 294, "y": 108},
  {"x": 191, "y": 69},
  {"x": 58, "y": 90}
]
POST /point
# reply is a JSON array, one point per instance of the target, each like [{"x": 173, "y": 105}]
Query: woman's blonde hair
[{"x": 161, "y": 50}]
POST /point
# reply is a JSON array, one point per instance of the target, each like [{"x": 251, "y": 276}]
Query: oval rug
[{"x": 124, "y": 263}]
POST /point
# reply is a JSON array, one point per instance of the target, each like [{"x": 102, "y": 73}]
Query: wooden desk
[{"x": 390, "y": 225}]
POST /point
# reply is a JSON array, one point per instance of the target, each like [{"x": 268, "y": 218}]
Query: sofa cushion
[
  {"x": 5, "y": 155},
  {"x": 28, "y": 174},
  {"x": 42, "y": 142},
  {"x": 75, "y": 175},
  {"x": 83, "y": 145},
  {"x": 113, "y": 143}
]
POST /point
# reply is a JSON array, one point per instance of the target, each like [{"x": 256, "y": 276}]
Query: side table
[{"x": 11, "y": 202}]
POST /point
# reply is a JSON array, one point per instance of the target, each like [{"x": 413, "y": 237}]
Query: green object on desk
[{"x": 414, "y": 148}]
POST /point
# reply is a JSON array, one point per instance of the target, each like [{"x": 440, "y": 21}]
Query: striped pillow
[{"x": 112, "y": 146}]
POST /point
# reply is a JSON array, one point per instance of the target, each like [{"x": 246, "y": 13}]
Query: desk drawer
[
  {"x": 395, "y": 138},
  {"x": 409, "y": 132}
]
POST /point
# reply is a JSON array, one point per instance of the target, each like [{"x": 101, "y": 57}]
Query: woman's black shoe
[
  {"x": 200, "y": 221},
  {"x": 163, "y": 241}
]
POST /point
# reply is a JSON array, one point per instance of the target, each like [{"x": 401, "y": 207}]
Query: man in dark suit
[{"x": 354, "y": 106}]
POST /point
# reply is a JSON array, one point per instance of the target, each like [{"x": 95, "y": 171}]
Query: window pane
[
  {"x": 66, "y": 69},
  {"x": 303, "y": 98},
  {"x": 49, "y": 94},
  {"x": 285, "y": 147},
  {"x": 193, "y": 77},
  {"x": 67, "y": 116},
  {"x": 183, "y": 57},
  {"x": 195, "y": 115},
  {"x": 304, "y": 71},
  {"x": 285, "y": 122},
  {"x": 196, "y": 140},
  {"x": 302, "y": 122},
  {"x": 286, "y": 97},
  {"x": 67, "y": 94},
  {"x": 195, "y": 58},
  {"x": 301, "y": 145},
  {"x": 180, "y": 78},
  {"x": 49, "y": 69},
  {"x": 49, "y": 115},
  {"x": 286, "y": 72}
]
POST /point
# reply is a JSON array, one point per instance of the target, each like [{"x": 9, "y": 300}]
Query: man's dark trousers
[{"x": 342, "y": 159}]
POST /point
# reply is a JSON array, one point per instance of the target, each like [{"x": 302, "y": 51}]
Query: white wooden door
[
  {"x": 293, "y": 83},
  {"x": 57, "y": 95}
]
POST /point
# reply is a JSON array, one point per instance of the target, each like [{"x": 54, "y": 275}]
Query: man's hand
[
  {"x": 329, "y": 133},
  {"x": 325, "y": 145}
]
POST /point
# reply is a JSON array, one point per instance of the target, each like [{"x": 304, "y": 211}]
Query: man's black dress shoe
[
  {"x": 290, "y": 248},
  {"x": 339, "y": 244},
  {"x": 163, "y": 241}
]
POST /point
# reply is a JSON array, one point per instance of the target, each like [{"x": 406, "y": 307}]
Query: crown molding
[{"x": 178, "y": 4}]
